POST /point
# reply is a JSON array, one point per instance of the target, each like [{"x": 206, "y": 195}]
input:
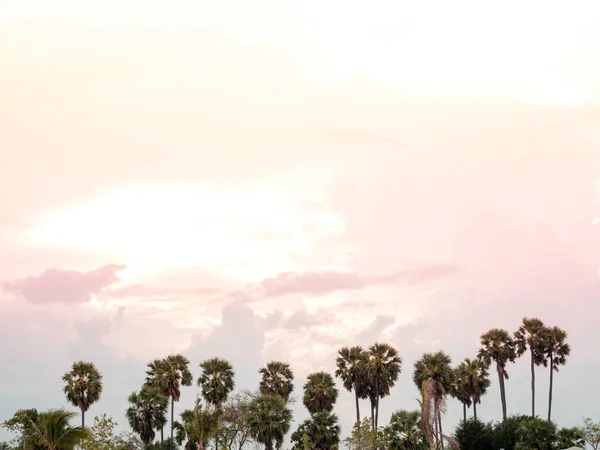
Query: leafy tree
[
  {"x": 55, "y": 432},
  {"x": 536, "y": 434},
  {"x": 403, "y": 432},
  {"x": 529, "y": 337},
  {"x": 591, "y": 433},
  {"x": 473, "y": 434},
  {"x": 569, "y": 437},
  {"x": 235, "y": 431},
  {"x": 505, "y": 432},
  {"x": 321, "y": 431},
  {"x": 22, "y": 423},
  {"x": 497, "y": 345},
  {"x": 320, "y": 393},
  {"x": 351, "y": 369},
  {"x": 269, "y": 420},
  {"x": 363, "y": 436},
  {"x": 277, "y": 379},
  {"x": 160, "y": 446},
  {"x": 129, "y": 441},
  {"x": 197, "y": 426},
  {"x": 556, "y": 351},
  {"x": 83, "y": 386},
  {"x": 383, "y": 368},
  {"x": 168, "y": 375},
  {"x": 146, "y": 412},
  {"x": 102, "y": 435},
  {"x": 471, "y": 381},
  {"x": 435, "y": 367}
]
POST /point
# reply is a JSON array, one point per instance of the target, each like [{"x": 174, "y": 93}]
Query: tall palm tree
[
  {"x": 497, "y": 345},
  {"x": 351, "y": 364},
  {"x": 277, "y": 379},
  {"x": 435, "y": 367},
  {"x": 460, "y": 391},
  {"x": 556, "y": 351},
  {"x": 168, "y": 375},
  {"x": 320, "y": 393},
  {"x": 216, "y": 382},
  {"x": 55, "y": 432},
  {"x": 83, "y": 386},
  {"x": 473, "y": 377},
  {"x": 147, "y": 412},
  {"x": 383, "y": 368},
  {"x": 269, "y": 420},
  {"x": 528, "y": 337}
]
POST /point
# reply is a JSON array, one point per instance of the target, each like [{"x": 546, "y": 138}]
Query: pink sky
[{"x": 282, "y": 180}]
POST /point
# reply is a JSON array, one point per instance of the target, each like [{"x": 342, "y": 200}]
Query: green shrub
[{"x": 475, "y": 435}]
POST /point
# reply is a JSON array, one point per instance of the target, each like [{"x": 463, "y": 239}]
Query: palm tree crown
[
  {"x": 216, "y": 381},
  {"x": 383, "y": 367},
  {"x": 55, "y": 432},
  {"x": 146, "y": 412},
  {"x": 276, "y": 379},
  {"x": 83, "y": 386},
  {"x": 320, "y": 393},
  {"x": 269, "y": 420}
]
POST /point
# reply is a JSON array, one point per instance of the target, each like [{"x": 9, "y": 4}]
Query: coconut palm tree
[
  {"x": 351, "y": 365},
  {"x": 498, "y": 345},
  {"x": 197, "y": 426},
  {"x": 528, "y": 337},
  {"x": 146, "y": 412},
  {"x": 435, "y": 367},
  {"x": 277, "y": 379},
  {"x": 473, "y": 379},
  {"x": 320, "y": 393},
  {"x": 383, "y": 368},
  {"x": 269, "y": 420},
  {"x": 216, "y": 382},
  {"x": 83, "y": 386},
  {"x": 55, "y": 432},
  {"x": 168, "y": 375},
  {"x": 556, "y": 350}
]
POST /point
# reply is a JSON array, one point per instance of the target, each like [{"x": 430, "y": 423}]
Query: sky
[{"x": 275, "y": 180}]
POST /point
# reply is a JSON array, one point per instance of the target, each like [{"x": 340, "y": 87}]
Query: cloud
[
  {"x": 321, "y": 282},
  {"x": 64, "y": 286},
  {"x": 141, "y": 290}
]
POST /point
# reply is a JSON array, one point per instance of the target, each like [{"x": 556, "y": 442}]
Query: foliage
[
  {"x": 383, "y": 367},
  {"x": 363, "y": 436},
  {"x": 269, "y": 420},
  {"x": 351, "y": 369},
  {"x": 470, "y": 382},
  {"x": 473, "y": 434},
  {"x": 156, "y": 445},
  {"x": 129, "y": 441},
  {"x": 320, "y": 393},
  {"x": 169, "y": 374},
  {"x": 197, "y": 426},
  {"x": 146, "y": 412},
  {"x": 22, "y": 423},
  {"x": 505, "y": 432},
  {"x": 536, "y": 434},
  {"x": 591, "y": 432},
  {"x": 277, "y": 379},
  {"x": 102, "y": 435},
  {"x": 56, "y": 433},
  {"x": 569, "y": 437},
  {"x": 321, "y": 431},
  {"x": 83, "y": 386},
  {"x": 234, "y": 431},
  {"x": 216, "y": 381},
  {"x": 556, "y": 351},
  {"x": 403, "y": 432}
]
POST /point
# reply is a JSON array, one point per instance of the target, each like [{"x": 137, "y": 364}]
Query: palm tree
[
  {"x": 556, "y": 351},
  {"x": 404, "y": 431},
  {"x": 146, "y": 412},
  {"x": 197, "y": 426},
  {"x": 55, "y": 432},
  {"x": 351, "y": 364},
  {"x": 320, "y": 393},
  {"x": 321, "y": 431},
  {"x": 383, "y": 367},
  {"x": 168, "y": 375},
  {"x": 277, "y": 379},
  {"x": 497, "y": 345},
  {"x": 216, "y": 382},
  {"x": 460, "y": 391},
  {"x": 83, "y": 386},
  {"x": 472, "y": 379},
  {"x": 269, "y": 420},
  {"x": 528, "y": 337},
  {"x": 435, "y": 367}
]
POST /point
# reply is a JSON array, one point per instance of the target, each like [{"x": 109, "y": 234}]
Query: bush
[
  {"x": 536, "y": 434},
  {"x": 475, "y": 435},
  {"x": 505, "y": 433}
]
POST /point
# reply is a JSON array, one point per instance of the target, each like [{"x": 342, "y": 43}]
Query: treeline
[{"x": 223, "y": 419}]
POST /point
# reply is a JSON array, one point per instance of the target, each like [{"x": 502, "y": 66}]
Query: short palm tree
[
  {"x": 277, "y": 379},
  {"x": 269, "y": 420},
  {"x": 197, "y": 426},
  {"x": 168, "y": 375},
  {"x": 83, "y": 386},
  {"x": 383, "y": 368},
  {"x": 528, "y": 337},
  {"x": 498, "y": 345},
  {"x": 404, "y": 431},
  {"x": 320, "y": 393},
  {"x": 351, "y": 369},
  {"x": 473, "y": 380},
  {"x": 55, "y": 432},
  {"x": 146, "y": 412},
  {"x": 556, "y": 350}
]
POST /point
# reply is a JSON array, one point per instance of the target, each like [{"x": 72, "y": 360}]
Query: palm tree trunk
[
  {"x": 435, "y": 428},
  {"x": 550, "y": 390},
  {"x": 172, "y": 404},
  {"x": 502, "y": 391},
  {"x": 372, "y": 415},
  {"x": 82, "y": 418},
  {"x": 162, "y": 445},
  {"x": 474, "y": 410},
  {"x": 357, "y": 408},
  {"x": 532, "y": 385},
  {"x": 464, "y": 412},
  {"x": 440, "y": 422},
  {"x": 376, "y": 405}
]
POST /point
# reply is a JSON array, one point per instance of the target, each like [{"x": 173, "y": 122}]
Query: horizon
[{"x": 275, "y": 181}]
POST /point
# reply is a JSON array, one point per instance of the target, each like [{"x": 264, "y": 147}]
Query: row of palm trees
[{"x": 368, "y": 373}]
